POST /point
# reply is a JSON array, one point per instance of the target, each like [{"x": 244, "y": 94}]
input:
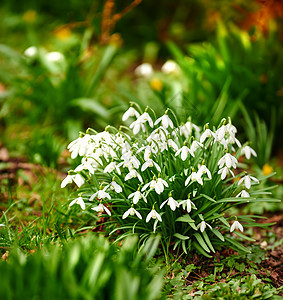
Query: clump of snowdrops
[{"x": 159, "y": 176}]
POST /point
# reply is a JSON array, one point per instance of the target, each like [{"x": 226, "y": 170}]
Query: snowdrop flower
[
  {"x": 236, "y": 225},
  {"x": 172, "y": 144},
  {"x": 31, "y": 52},
  {"x": 188, "y": 204},
  {"x": 202, "y": 225},
  {"x": 101, "y": 194},
  {"x": 229, "y": 160},
  {"x": 2, "y": 225},
  {"x": 149, "y": 164},
  {"x": 194, "y": 177},
  {"x": 131, "y": 212},
  {"x": 116, "y": 187},
  {"x": 131, "y": 112},
  {"x": 171, "y": 202},
  {"x": 153, "y": 215},
  {"x": 79, "y": 146},
  {"x": 137, "y": 196},
  {"x": 170, "y": 67},
  {"x": 76, "y": 178},
  {"x": 133, "y": 174},
  {"x": 144, "y": 70},
  {"x": 204, "y": 170},
  {"x": 206, "y": 134},
  {"x": 55, "y": 56},
  {"x": 88, "y": 164},
  {"x": 156, "y": 184},
  {"x": 184, "y": 152},
  {"x": 79, "y": 201},
  {"x": 137, "y": 126},
  {"x": 194, "y": 146},
  {"x": 248, "y": 151},
  {"x": 247, "y": 181},
  {"x": 187, "y": 129},
  {"x": 243, "y": 194},
  {"x": 145, "y": 117},
  {"x": 165, "y": 121},
  {"x": 220, "y": 133},
  {"x": 101, "y": 208},
  {"x": 224, "y": 172},
  {"x": 111, "y": 167}
]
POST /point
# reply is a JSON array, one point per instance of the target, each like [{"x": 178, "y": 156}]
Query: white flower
[
  {"x": 79, "y": 201},
  {"x": 79, "y": 146},
  {"x": 187, "y": 129},
  {"x": 248, "y": 151},
  {"x": 76, "y": 178},
  {"x": 144, "y": 70},
  {"x": 154, "y": 215},
  {"x": 170, "y": 67},
  {"x": 111, "y": 167},
  {"x": 137, "y": 196},
  {"x": 220, "y": 133},
  {"x": 194, "y": 146},
  {"x": 2, "y": 225},
  {"x": 236, "y": 225},
  {"x": 31, "y": 52},
  {"x": 206, "y": 134},
  {"x": 88, "y": 163},
  {"x": 116, "y": 187},
  {"x": 55, "y": 56},
  {"x": 229, "y": 160},
  {"x": 165, "y": 121},
  {"x": 145, "y": 117},
  {"x": 137, "y": 126},
  {"x": 131, "y": 211},
  {"x": 184, "y": 152},
  {"x": 149, "y": 164},
  {"x": 101, "y": 194},
  {"x": 131, "y": 112},
  {"x": 171, "y": 202},
  {"x": 204, "y": 170},
  {"x": 156, "y": 184},
  {"x": 172, "y": 144},
  {"x": 133, "y": 174},
  {"x": 202, "y": 225},
  {"x": 224, "y": 172},
  {"x": 101, "y": 208},
  {"x": 194, "y": 177},
  {"x": 243, "y": 194},
  {"x": 247, "y": 181},
  {"x": 189, "y": 204}
]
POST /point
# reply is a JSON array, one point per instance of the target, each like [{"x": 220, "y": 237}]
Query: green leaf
[
  {"x": 91, "y": 105},
  {"x": 181, "y": 237},
  {"x": 244, "y": 236},
  {"x": 218, "y": 234},
  {"x": 199, "y": 248},
  {"x": 208, "y": 241},
  {"x": 201, "y": 242},
  {"x": 237, "y": 245}
]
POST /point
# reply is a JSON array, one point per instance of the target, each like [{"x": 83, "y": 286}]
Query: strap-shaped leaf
[
  {"x": 199, "y": 248},
  {"x": 181, "y": 237},
  {"x": 237, "y": 245},
  {"x": 207, "y": 240},
  {"x": 201, "y": 242},
  {"x": 218, "y": 234},
  {"x": 184, "y": 247},
  {"x": 244, "y": 236}
]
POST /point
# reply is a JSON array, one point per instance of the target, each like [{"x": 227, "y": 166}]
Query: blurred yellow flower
[
  {"x": 30, "y": 16},
  {"x": 156, "y": 84},
  {"x": 63, "y": 33},
  {"x": 267, "y": 169}
]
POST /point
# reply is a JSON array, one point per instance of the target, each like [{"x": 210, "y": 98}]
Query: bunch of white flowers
[{"x": 166, "y": 177}]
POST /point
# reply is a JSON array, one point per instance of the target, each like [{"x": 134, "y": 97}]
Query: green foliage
[
  {"x": 235, "y": 68},
  {"x": 88, "y": 268}
]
